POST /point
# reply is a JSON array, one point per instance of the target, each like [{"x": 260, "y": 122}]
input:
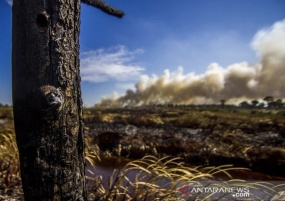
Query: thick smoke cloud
[{"x": 234, "y": 83}]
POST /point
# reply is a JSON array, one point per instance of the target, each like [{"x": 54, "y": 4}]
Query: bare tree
[
  {"x": 223, "y": 103},
  {"x": 47, "y": 97}
]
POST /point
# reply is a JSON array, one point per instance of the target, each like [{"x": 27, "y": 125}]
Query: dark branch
[{"x": 104, "y": 7}]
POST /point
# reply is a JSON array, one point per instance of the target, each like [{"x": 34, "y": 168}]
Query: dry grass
[
  {"x": 9, "y": 159},
  {"x": 226, "y": 119},
  {"x": 91, "y": 153},
  {"x": 155, "y": 179},
  {"x": 161, "y": 179},
  {"x": 6, "y": 112}
]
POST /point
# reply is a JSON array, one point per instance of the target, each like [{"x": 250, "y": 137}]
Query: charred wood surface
[{"x": 47, "y": 99}]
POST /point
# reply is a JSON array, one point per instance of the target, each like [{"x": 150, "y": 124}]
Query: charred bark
[
  {"x": 47, "y": 99},
  {"x": 104, "y": 7}
]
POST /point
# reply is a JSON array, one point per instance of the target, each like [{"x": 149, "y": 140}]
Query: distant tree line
[
  {"x": 5, "y": 105},
  {"x": 268, "y": 103}
]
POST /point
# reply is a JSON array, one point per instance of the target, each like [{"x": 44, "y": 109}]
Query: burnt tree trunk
[{"x": 47, "y": 99}]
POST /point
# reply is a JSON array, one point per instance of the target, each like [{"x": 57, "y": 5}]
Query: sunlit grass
[
  {"x": 9, "y": 159},
  {"x": 155, "y": 179},
  {"x": 161, "y": 179}
]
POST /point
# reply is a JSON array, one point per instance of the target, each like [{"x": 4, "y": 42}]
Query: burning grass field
[{"x": 160, "y": 177}]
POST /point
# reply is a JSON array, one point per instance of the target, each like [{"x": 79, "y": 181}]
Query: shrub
[{"x": 253, "y": 112}]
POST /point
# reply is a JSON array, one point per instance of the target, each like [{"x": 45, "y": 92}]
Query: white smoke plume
[{"x": 233, "y": 83}]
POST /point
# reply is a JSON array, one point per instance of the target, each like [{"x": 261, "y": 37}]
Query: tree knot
[{"x": 51, "y": 98}]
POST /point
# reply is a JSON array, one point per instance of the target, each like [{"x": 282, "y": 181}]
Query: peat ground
[{"x": 245, "y": 138}]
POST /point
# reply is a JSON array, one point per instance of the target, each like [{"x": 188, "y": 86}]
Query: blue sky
[{"x": 154, "y": 36}]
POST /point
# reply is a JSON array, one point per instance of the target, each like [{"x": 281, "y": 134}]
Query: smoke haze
[{"x": 234, "y": 83}]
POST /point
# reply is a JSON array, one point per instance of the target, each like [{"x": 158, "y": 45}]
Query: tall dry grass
[
  {"x": 9, "y": 160},
  {"x": 154, "y": 179}
]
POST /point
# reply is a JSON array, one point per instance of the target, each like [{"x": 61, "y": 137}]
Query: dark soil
[{"x": 200, "y": 138}]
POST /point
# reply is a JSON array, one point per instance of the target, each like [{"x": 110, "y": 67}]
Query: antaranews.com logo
[
  {"x": 234, "y": 191},
  {"x": 231, "y": 190}
]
